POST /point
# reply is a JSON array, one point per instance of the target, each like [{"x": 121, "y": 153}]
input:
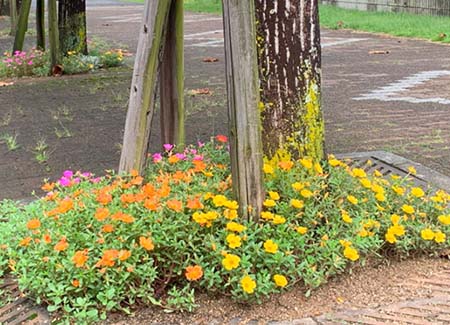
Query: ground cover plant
[
  {"x": 35, "y": 62},
  {"x": 92, "y": 244},
  {"x": 208, "y": 6}
]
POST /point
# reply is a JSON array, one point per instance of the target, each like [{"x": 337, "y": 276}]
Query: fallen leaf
[
  {"x": 210, "y": 59},
  {"x": 340, "y": 300},
  {"x": 378, "y": 52},
  {"x": 200, "y": 91},
  {"x": 5, "y": 84}
]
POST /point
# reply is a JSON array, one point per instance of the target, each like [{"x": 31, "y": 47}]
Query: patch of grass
[
  {"x": 396, "y": 24},
  {"x": 208, "y": 6},
  {"x": 10, "y": 141},
  {"x": 40, "y": 151}
]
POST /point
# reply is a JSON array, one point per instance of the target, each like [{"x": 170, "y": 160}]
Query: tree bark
[
  {"x": 243, "y": 97},
  {"x": 290, "y": 75},
  {"x": 172, "y": 78},
  {"x": 40, "y": 24},
  {"x": 143, "y": 86},
  {"x": 22, "y": 25},
  {"x": 72, "y": 26},
  {"x": 4, "y": 8},
  {"x": 55, "y": 55},
  {"x": 13, "y": 16}
]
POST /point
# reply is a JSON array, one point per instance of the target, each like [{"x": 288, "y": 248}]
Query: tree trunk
[
  {"x": 22, "y": 25},
  {"x": 4, "y": 8},
  {"x": 55, "y": 54},
  {"x": 72, "y": 26},
  {"x": 13, "y": 16},
  {"x": 143, "y": 86},
  {"x": 40, "y": 24},
  {"x": 290, "y": 75},
  {"x": 172, "y": 78},
  {"x": 243, "y": 98}
]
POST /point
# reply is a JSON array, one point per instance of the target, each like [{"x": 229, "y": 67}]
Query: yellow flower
[
  {"x": 298, "y": 204},
  {"x": 345, "y": 243},
  {"x": 395, "y": 219},
  {"x": 390, "y": 237},
  {"x": 268, "y": 169},
  {"x": 306, "y": 193},
  {"x": 278, "y": 220},
  {"x": 363, "y": 233},
  {"x": 353, "y": 200},
  {"x": 380, "y": 197},
  {"x": 233, "y": 241},
  {"x": 398, "y": 190},
  {"x": 270, "y": 246},
  {"x": 334, "y": 162},
  {"x": 219, "y": 200},
  {"x": 231, "y": 262},
  {"x": 302, "y": 230},
  {"x": 359, "y": 172},
  {"x": 232, "y": 205},
  {"x": 269, "y": 203},
  {"x": 307, "y": 163},
  {"x": 427, "y": 234},
  {"x": 412, "y": 170},
  {"x": 266, "y": 215},
  {"x": 280, "y": 280},
  {"x": 234, "y": 226},
  {"x": 351, "y": 253},
  {"x": 439, "y": 237},
  {"x": 318, "y": 168},
  {"x": 445, "y": 220},
  {"x": 298, "y": 186},
  {"x": 346, "y": 217},
  {"x": 376, "y": 173},
  {"x": 397, "y": 230},
  {"x": 377, "y": 188},
  {"x": 248, "y": 284},
  {"x": 417, "y": 192},
  {"x": 230, "y": 214},
  {"x": 408, "y": 209},
  {"x": 365, "y": 182},
  {"x": 274, "y": 195}
]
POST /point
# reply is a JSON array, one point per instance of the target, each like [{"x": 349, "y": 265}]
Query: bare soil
[{"x": 376, "y": 284}]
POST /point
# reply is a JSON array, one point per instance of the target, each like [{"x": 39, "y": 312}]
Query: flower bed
[{"x": 97, "y": 244}]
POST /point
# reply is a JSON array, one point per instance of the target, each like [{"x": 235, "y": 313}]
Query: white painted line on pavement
[{"x": 343, "y": 41}]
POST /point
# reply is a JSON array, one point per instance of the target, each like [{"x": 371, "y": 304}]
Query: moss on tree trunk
[{"x": 72, "y": 26}]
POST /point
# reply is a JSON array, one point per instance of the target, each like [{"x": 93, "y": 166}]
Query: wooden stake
[
  {"x": 243, "y": 99},
  {"x": 143, "y": 87},
  {"x": 172, "y": 78}
]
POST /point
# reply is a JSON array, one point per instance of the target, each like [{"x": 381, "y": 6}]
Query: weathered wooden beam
[
  {"x": 143, "y": 87},
  {"x": 13, "y": 16},
  {"x": 22, "y": 25},
  {"x": 243, "y": 99},
  {"x": 172, "y": 78}
]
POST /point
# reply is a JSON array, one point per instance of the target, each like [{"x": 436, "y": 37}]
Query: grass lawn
[{"x": 397, "y": 24}]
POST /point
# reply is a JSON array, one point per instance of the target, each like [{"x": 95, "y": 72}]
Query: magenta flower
[
  {"x": 180, "y": 156},
  {"x": 96, "y": 180},
  {"x": 168, "y": 146},
  {"x": 157, "y": 157},
  {"x": 86, "y": 174},
  {"x": 200, "y": 144},
  {"x": 68, "y": 173},
  {"x": 64, "y": 181},
  {"x": 198, "y": 157},
  {"x": 76, "y": 180}
]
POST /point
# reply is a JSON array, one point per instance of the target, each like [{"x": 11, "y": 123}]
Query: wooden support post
[
  {"x": 243, "y": 99},
  {"x": 40, "y": 24},
  {"x": 13, "y": 16},
  {"x": 172, "y": 78},
  {"x": 22, "y": 25},
  {"x": 143, "y": 87},
  {"x": 53, "y": 37}
]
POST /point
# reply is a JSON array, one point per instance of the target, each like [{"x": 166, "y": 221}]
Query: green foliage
[
  {"x": 92, "y": 245},
  {"x": 397, "y": 24},
  {"x": 207, "y": 6}
]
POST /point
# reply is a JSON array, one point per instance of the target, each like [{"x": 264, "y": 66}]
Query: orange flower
[
  {"x": 146, "y": 243},
  {"x": 200, "y": 165},
  {"x": 65, "y": 205},
  {"x": 194, "y": 273},
  {"x": 33, "y": 224},
  {"x": 76, "y": 283},
  {"x": 175, "y": 205},
  {"x": 221, "y": 138},
  {"x": 137, "y": 180},
  {"x": 149, "y": 190},
  {"x": 134, "y": 173},
  {"x": 164, "y": 191},
  {"x": 25, "y": 242},
  {"x": 151, "y": 204},
  {"x": 61, "y": 245},
  {"x": 47, "y": 187},
  {"x": 127, "y": 198},
  {"x": 104, "y": 198},
  {"x": 108, "y": 228},
  {"x": 286, "y": 165},
  {"x": 194, "y": 203},
  {"x": 173, "y": 159},
  {"x": 120, "y": 216},
  {"x": 101, "y": 214},
  {"x": 47, "y": 238},
  {"x": 80, "y": 258},
  {"x": 124, "y": 254},
  {"x": 108, "y": 258}
]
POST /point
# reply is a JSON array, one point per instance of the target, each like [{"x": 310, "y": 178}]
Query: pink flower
[
  {"x": 30, "y": 62},
  {"x": 180, "y": 156},
  {"x": 168, "y": 146},
  {"x": 86, "y": 174},
  {"x": 157, "y": 157},
  {"x": 198, "y": 157},
  {"x": 68, "y": 173},
  {"x": 64, "y": 181},
  {"x": 200, "y": 144},
  {"x": 96, "y": 180},
  {"x": 76, "y": 180}
]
